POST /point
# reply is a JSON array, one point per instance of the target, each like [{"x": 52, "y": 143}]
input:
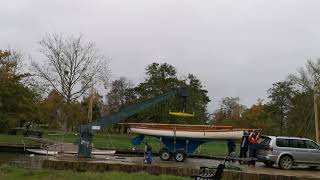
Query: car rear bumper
[{"x": 267, "y": 157}]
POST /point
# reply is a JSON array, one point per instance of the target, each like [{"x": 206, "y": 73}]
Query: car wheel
[
  {"x": 286, "y": 162},
  {"x": 268, "y": 163},
  {"x": 165, "y": 154},
  {"x": 180, "y": 156}
]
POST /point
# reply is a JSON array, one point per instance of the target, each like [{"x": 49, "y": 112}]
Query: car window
[
  {"x": 311, "y": 145},
  {"x": 265, "y": 141},
  {"x": 282, "y": 142},
  {"x": 297, "y": 143}
]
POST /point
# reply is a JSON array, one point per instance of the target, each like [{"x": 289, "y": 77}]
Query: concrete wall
[{"x": 156, "y": 170}]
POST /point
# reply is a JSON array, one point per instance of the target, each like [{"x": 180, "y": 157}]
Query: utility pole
[
  {"x": 91, "y": 98},
  {"x": 316, "y": 115}
]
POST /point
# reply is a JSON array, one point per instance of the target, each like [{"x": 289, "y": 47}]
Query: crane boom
[{"x": 86, "y": 133}]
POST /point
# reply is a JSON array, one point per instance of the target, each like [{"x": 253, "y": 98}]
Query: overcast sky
[{"x": 237, "y": 48}]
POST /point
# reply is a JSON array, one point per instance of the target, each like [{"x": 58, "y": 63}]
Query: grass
[
  {"x": 12, "y": 173},
  {"x": 118, "y": 141},
  {"x": 12, "y": 139}
]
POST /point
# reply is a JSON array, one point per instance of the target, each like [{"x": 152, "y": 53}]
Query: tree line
[
  {"x": 73, "y": 75},
  {"x": 289, "y": 109},
  {"x": 56, "y": 91}
]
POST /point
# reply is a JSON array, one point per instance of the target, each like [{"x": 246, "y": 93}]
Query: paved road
[{"x": 197, "y": 163}]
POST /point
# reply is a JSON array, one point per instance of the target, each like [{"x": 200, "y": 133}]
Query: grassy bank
[
  {"x": 117, "y": 141},
  {"x": 10, "y": 139},
  {"x": 12, "y": 173}
]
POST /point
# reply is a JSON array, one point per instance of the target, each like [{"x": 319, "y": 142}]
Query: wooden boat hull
[{"x": 221, "y": 135}]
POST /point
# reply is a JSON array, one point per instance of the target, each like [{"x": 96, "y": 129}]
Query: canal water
[{"x": 21, "y": 160}]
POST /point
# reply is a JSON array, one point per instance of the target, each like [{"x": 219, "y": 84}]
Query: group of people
[{"x": 249, "y": 142}]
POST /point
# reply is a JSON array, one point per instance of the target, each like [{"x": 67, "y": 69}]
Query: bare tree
[
  {"x": 308, "y": 77},
  {"x": 71, "y": 66},
  {"x": 309, "y": 80},
  {"x": 120, "y": 93}
]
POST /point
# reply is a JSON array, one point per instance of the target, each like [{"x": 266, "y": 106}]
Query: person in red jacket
[{"x": 253, "y": 143}]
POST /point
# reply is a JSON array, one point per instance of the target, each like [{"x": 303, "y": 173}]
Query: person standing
[
  {"x": 147, "y": 154},
  {"x": 244, "y": 145},
  {"x": 231, "y": 148},
  {"x": 253, "y": 144}
]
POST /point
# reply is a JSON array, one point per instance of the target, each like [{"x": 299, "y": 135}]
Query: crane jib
[
  {"x": 117, "y": 117},
  {"x": 86, "y": 134}
]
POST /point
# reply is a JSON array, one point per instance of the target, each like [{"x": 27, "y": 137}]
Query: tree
[
  {"x": 18, "y": 103},
  {"x": 308, "y": 77},
  {"x": 97, "y": 105},
  {"x": 198, "y": 99},
  {"x": 301, "y": 115},
  {"x": 120, "y": 94},
  {"x": 308, "y": 83},
  {"x": 230, "y": 111},
  {"x": 51, "y": 109},
  {"x": 71, "y": 66},
  {"x": 281, "y": 97},
  {"x": 259, "y": 116},
  {"x": 161, "y": 78}
]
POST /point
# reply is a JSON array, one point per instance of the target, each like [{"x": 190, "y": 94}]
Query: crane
[{"x": 86, "y": 130}]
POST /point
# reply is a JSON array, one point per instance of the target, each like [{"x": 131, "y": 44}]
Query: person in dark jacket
[
  {"x": 244, "y": 145},
  {"x": 231, "y": 148}
]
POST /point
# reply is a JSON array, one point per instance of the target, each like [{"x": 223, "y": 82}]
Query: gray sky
[{"x": 237, "y": 48}]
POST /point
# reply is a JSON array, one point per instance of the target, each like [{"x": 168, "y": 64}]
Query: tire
[
  {"x": 268, "y": 163},
  {"x": 286, "y": 162},
  {"x": 165, "y": 154},
  {"x": 180, "y": 156}
]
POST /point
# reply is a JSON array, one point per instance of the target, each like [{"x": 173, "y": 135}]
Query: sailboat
[{"x": 186, "y": 131}]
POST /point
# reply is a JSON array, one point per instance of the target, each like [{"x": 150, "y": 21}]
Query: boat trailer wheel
[
  {"x": 165, "y": 154},
  {"x": 180, "y": 156}
]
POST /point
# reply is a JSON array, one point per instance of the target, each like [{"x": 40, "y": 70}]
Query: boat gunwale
[
  {"x": 189, "y": 130},
  {"x": 186, "y": 127}
]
